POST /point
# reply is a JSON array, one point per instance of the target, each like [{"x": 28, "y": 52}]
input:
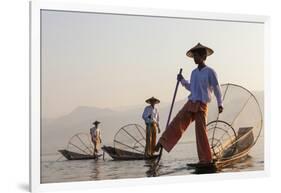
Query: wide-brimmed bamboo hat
[
  {"x": 96, "y": 123},
  {"x": 199, "y": 46},
  {"x": 152, "y": 100}
]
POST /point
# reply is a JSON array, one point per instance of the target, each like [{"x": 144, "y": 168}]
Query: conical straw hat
[
  {"x": 199, "y": 46},
  {"x": 96, "y": 122},
  {"x": 152, "y": 99}
]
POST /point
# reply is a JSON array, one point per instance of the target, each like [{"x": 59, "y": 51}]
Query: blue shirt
[
  {"x": 202, "y": 83},
  {"x": 152, "y": 113}
]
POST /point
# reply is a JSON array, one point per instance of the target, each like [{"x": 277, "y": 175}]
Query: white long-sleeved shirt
[
  {"x": 148, "y": 110},
  {"x": 95, "y": 133},
  {"x": 202, "y": 83}
]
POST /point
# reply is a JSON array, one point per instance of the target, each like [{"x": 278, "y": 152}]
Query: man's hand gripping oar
[{"x": 159, "y": 146}]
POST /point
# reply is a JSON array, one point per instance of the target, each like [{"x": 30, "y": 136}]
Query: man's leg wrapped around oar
[
  {"x": 176, "y": 128},
  {"x": 191, "y": 111}
]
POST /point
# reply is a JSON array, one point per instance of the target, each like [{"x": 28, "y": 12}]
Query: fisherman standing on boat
[
  {"x": 151, "y": 118},
  {"x": 202, "y": 82},
  {"x": 96, "y": 136}
]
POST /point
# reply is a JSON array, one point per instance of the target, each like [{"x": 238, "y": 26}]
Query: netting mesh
[
  {"x": 81, "y": 143},
  {"x": 239, "y": 126},
  {"x": 130, "y": 138},
  {"x": 220, "y": 135}
]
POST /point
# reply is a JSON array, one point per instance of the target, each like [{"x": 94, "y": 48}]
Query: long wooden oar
[
  {"x": 168, "y": 121},
  {"x": 173, "y": 101}
]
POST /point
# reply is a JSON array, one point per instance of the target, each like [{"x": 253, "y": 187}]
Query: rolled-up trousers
[
  {"x": 96, "y": 143},
  {"x": 151, "y": 130},
  {"x": 191, "y": 111}
]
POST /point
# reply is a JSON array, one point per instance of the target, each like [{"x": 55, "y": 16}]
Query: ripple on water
[{"x": 171, "y": 164}]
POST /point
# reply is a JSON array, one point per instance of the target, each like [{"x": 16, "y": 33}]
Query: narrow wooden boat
[
  {"x": 129, "y": 144},
  {"x": 69, "y": 155},
  {"x": 119, "y": 154}
]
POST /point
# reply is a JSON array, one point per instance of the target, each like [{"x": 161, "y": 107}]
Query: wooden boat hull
[
  {"x": 220, "y": 164},
  {"x": 69, "y": 155},
  {"x": 240, "y": 157},
  {"x": 118, "y": 154},
  {"x": 202, "y": 169}
]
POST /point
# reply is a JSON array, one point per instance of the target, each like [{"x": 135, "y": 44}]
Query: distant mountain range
[{"x": 57, "y": 132}]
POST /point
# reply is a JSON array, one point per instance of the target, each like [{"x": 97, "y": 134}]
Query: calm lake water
[{"x": 171, "y": 164}]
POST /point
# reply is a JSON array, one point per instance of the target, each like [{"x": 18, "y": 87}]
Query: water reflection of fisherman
[
  {"x": 203, "y": 82},
  {"x": 96, "y": 136},
  {"x": 151, "y": 117}
]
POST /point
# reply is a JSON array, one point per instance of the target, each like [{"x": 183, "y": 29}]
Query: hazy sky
[{"x": 110, "y": 61}]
